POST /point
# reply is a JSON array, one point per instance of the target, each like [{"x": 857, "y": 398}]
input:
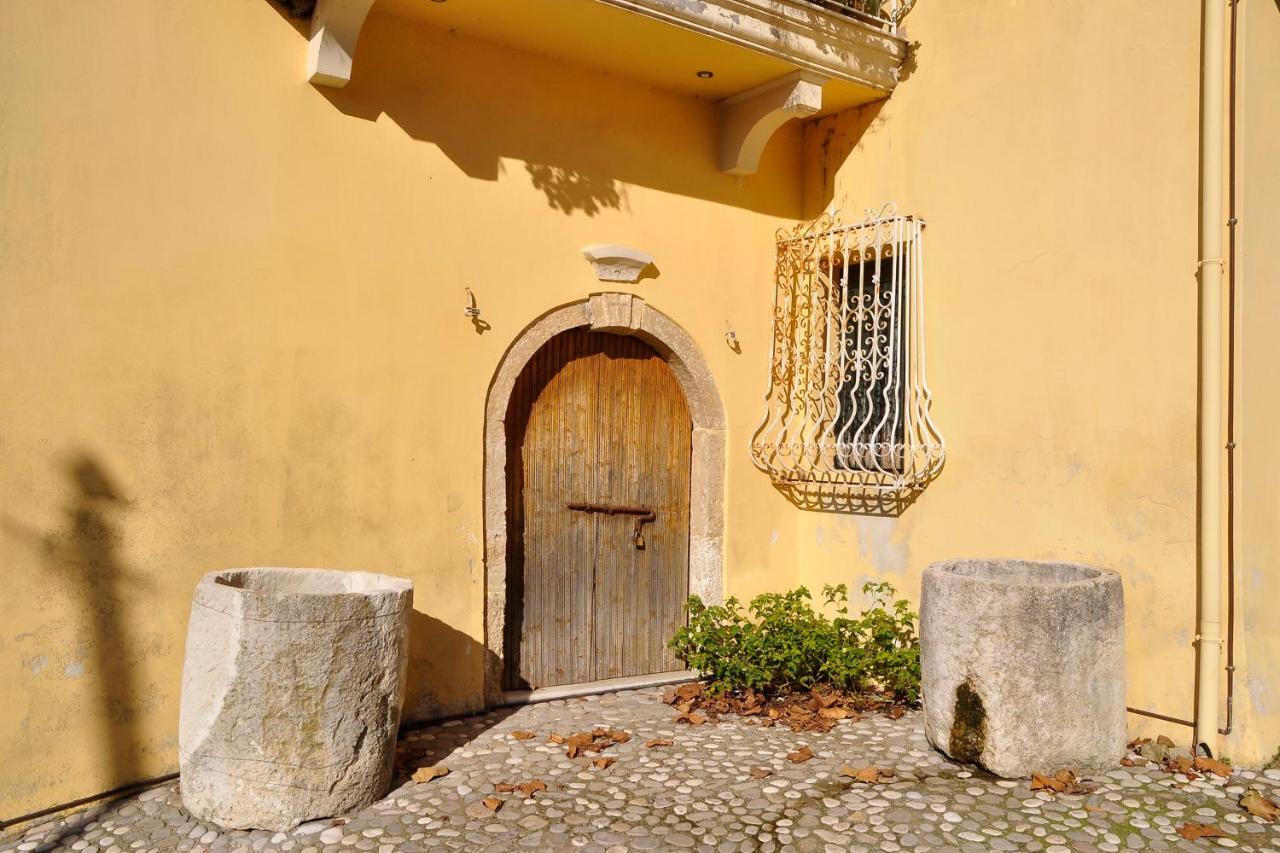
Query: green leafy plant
[{"x": 779, "y": 643}]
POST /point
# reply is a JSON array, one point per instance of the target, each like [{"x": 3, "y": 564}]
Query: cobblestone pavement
[{"x": 699, "y": 794}]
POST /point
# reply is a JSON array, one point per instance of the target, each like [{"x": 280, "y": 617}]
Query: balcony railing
[{"x": 884, "y": 14}]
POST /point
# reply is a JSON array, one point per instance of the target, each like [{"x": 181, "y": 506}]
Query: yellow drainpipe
[{"x": 1209, "y": 634}]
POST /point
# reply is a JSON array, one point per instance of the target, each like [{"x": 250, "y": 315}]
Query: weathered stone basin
[
  {"x": 1023, "y": 664},
  {"x": 291, "y": 693}
]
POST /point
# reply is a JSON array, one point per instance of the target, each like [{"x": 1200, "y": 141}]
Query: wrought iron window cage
[{"x": 847, "y": 423}]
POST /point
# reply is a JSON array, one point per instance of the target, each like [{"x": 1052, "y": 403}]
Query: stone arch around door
[{"x": 626, "y": 314}]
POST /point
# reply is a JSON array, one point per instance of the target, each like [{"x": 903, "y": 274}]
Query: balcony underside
[{"x": 770, "y": 60}]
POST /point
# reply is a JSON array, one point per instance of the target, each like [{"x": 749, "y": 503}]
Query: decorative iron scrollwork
[{"x": 847, "y": 412}]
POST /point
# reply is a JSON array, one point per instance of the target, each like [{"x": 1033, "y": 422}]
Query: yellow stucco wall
[
  {"x": 1057, "y": 175},
  {"x": 1256, "y": 730},
  {"x": 234, "y": 302},
  {"x": 232, "y": 330}
]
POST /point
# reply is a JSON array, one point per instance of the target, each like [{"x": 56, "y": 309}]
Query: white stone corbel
[
  {"x": 335, "y": 29},
  {"x": 617, "y": 263},
  {"x": 749, "y": 119}
]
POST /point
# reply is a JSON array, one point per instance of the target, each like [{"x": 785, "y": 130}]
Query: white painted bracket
[
  {"x": 335, "y": 29},
  {"x": 749, "y": 119},
  {"x": 617, "y": 263}
]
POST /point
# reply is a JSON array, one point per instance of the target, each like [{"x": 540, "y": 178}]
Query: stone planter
[
  {"x": 1023, "y": 665},
  {"x": 291, "y": 693}
]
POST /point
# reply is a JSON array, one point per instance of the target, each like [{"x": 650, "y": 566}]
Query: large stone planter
[
  {"x": 1023, "y": 664},
  {"x": 291, "y": 693}
]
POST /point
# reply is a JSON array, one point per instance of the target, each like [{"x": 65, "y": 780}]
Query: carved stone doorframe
[{"x": 625, "y": 314}]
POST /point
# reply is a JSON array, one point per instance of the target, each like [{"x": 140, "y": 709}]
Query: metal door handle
[{"x": 643, "y": 516}]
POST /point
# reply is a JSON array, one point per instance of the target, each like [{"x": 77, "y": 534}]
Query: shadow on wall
[
  {"x": 446, "y": 670},
  {"x": 84, "y": 556},
  {"x": 583, "y": 136},
  {"x": 828, "y": 142}
]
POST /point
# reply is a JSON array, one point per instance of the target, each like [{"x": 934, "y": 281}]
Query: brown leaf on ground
[
  {"x": 869, "y": 775},
  {"x": 693, "y": 718},
  {"x": 818, "y": 710},
  {"x": 426, "y": 774},
  {"x": 1181, "y": 764},
  {"x": 555, "y": 738},
  {"x": 1259, "y": 806},
  {"x": 504, "y": 787},
  {"x": 1194, "y": 831},
  {"x": 1126, "y": 762},
  {"x": 683, "y": 693},
  {"x": 602, "y": 762},
  {"x": 658, "y": 741},
  {"x": 493, "y": 804},
  {"x": 533, "y": 787},
  {"x": 619, "y": 736},
  {"x": 522, "y": 735},
  {"x": 1217, "y": 768},
  {"x": 1165, "y": 740},
  {"x": 802, "y": 754},
  {"x": 1062, "y": 782},
  {"x": 760, "y": 773},
  {"x": 596, "y": 740}
]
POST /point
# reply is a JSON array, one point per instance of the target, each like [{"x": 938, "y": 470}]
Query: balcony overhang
[
  {"x": 825, "y": 43},
  {"x": 771, "y": 60}
]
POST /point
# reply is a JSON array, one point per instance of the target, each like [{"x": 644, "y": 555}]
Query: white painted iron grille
[{"x": 847, "y": 415}]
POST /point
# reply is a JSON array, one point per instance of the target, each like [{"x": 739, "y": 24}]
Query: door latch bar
[{"x": 643, "y": 515}]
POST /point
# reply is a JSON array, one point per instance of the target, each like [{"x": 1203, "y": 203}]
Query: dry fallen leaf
[
  {"x": 1126, "y": 762},
  {"x": 1062, "y": 782},
  {"x": 522, "y": 735},
  {"x": 896, "y": 712},
  {"x": 1209, "y": 765},
  {"x": 693, "y": 719},
  {"x": 833, "y": 713},
  {"x": 804, "y": 753},
  {"x": 555, "y": 738},
  {"x": 602, "y": 762},
  {"x": 760, "y": 773},
  {"x": 531, "y": 788},
  {"x": 426, "y": 774},
  {"x": 1193, "y": 831},
  {"x": 1181, "y": 764},
  {"x": 1165, "y": 740},
  {"x": 618, "y": 736},
  {"x": 870, "y": 775},
  {"x": 658, "y": 741},
  {"x": 504, "y": 787},
  {"x": 1259, "y": 806},
  {"x": 493, "y": 804}
]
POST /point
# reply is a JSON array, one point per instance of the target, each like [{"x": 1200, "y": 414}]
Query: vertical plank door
[{"x": 597, "y": 420}]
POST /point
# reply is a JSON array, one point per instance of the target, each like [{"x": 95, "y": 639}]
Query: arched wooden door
[{"x": 598, "y": 460}]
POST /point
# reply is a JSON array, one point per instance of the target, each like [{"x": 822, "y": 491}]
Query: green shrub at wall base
[{"x": 780, "y": 643}]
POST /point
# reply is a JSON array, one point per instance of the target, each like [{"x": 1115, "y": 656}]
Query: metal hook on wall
[
  {"x": 473, "y": 313},
  {"x": 731, "y": 337}
]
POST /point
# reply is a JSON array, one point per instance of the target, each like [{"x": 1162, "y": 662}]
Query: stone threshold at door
[{"x": 589, "y": 688}]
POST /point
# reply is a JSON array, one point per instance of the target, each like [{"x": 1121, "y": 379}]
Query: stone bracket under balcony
[{"x": 749, "y": 120}]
